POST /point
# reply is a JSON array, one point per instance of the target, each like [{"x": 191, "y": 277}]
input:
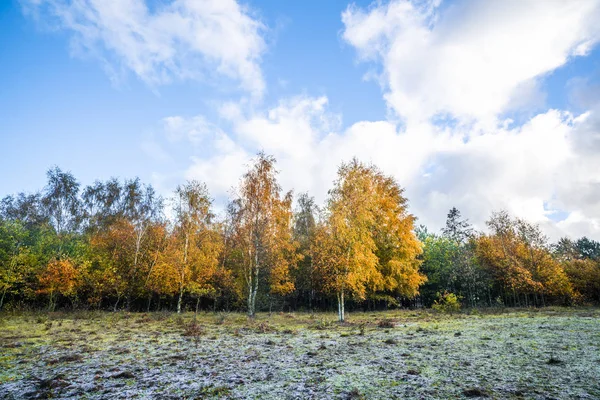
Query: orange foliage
[{"x": 59, "y": 277}]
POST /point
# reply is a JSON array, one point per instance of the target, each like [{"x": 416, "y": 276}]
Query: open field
[{"x": 543, "y": 354}]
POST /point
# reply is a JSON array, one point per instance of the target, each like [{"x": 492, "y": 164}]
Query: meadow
[{"x": 551, "y": 353}]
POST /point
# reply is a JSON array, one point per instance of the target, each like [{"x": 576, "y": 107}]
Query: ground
[{"x": 529, "y": 354}]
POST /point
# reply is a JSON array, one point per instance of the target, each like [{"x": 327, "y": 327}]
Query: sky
[{"x": 476, "y": 105}]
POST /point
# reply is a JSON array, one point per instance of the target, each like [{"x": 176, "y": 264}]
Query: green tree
[
  {"x": 12, "y": 254},
  {"x": 305, "y": 224},
  {"x": 61, "y": 204}
]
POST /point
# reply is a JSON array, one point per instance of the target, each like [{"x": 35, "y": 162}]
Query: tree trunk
[
  {"x": 2, "y": 298},
  {"x": 543, "y": 300},
  {"x": 250, "y": 311},
  {"x": 179, "y": 301},
  {"x": 254, "y": 298},
  {"x": 197, "y": 304},
  {"x": 51, "y": 302},
  {"x": 117, "y": 302},
  {"x": 149, "y": 302},
  {"x": 341, "y": 306}
]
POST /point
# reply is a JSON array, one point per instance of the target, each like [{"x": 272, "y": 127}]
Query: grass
[{"x": 547, "y": 353}]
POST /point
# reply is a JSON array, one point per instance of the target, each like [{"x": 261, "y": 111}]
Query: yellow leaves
[
  {"x": 60, "y": 276},
  {"x": 516, "y": 256},
  {"x": 190, "y": 269},
  {"x": 261, "y": 222},
  {"x": 281, "y": 283},
  {"x": 405, "y": 277},
  {"x": 585, "y": 277},
  {"x": 367, "y": 242},
  {"x": 165, "y": 277}
]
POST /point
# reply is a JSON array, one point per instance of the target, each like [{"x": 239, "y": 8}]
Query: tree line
[{"x": 118, "y": 245}]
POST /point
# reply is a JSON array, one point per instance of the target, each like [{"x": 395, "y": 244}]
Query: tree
[
  {"x": 198, "y": 245},
  {"x": 60, "y": 277},
  {"x": 447, "y": 303},
  {"x": 588, "y": 248},
  {"x": 262, "y": 225},
  {"x": 456, "y": 228},
  {"x": 465, "y": 277},
  {"x": 565, "y": 249},
  {"x": 61, "y": 202},
  {"x": 367, "y": 243},
  {"x": 25, "y": 208},
  {"x": 398, "y": 248},
  {"x": 305, "y": 224},
  {"x": 111, "y": 260},
  {"x": 439, "y": 257},
  {"x": 584, "y": 275},
  {"x": 102, "y": 203},
  {"x": 110, "y": 243},
  {"x": 12, "y": 238},
  {"x": 581, "y": 262},
  {"x": 517, "y": 255},
  {"x": 141, "y": 207}
]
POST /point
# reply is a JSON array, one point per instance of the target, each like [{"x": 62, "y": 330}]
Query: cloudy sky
[{"x": 479, "y": 105}]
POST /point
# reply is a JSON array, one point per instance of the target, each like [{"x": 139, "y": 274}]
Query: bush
[
  {"x": 320, "y": 325},
  {"x": 220, "y": 319},
  {"x": 447, "y": 303},
  {"x": 386, "y": 323},
  {"x": 193, "y": 329},
  {"x": 264, "y": 327}
]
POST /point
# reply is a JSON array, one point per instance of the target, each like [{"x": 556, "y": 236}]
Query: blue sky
[
  {"x": 477, "y": 105},
  {"x": 65, "y": 111}
]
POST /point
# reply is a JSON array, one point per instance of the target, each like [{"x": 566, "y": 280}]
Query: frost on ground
[{"x": 538, "y": 354}]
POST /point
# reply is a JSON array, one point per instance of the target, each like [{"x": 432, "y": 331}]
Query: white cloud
[
  {"x": 180, "y": 39},
  {"x": 512, "y": 169},
  {"x": 521, "y": 169},
  {"x": 469, "y": 62},
  {"x": 450, "y": 71},
  {"x": 471, "y": 59},
  {"x": 578, "y": 188}
]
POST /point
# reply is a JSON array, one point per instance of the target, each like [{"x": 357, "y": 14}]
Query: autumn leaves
[
  {"x": 113, "y": 246},
  {"x": 362, "y": 243},
  {"x": 366, "y": 242}
]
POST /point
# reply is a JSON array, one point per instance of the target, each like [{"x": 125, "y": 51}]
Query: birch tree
[
  {"x": 141, "y": 207},
  {"x": 263, "y": 231},
  {"x": 61, "y": 204},
  {"x": 198, "y": 244},
  {"x": 367, "y": 243}
]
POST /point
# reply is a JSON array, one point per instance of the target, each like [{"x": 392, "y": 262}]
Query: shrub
[
  {"x": 321, "y": 325},
  {"x": 386, "y": 323},
  {"x": 362, "y": 328},
  {"x": 193, "y": 329},
  {"x": 447, "y": 303},
  {"x": 264, "y": 327},
  {"x": 220, "y": 319}
]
